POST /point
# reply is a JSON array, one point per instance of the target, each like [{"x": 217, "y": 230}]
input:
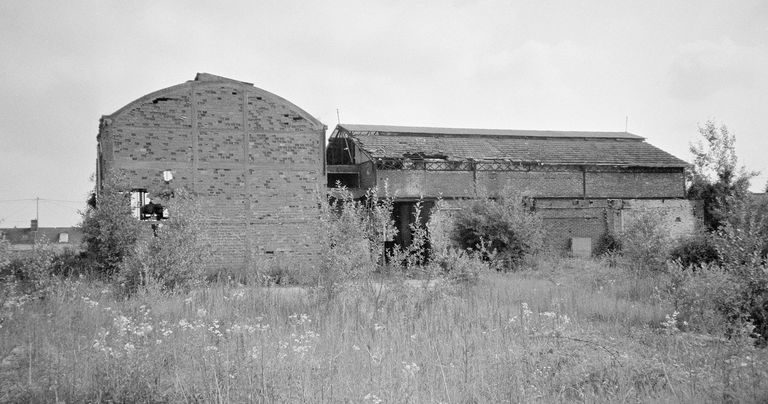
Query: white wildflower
[
  {"x": 410, "y": 369},
  {"x": 670, "y": 324},
  {"x": 370, "y": 397},
  {"x": 129, "y": 348},
  {"x": 526, "y": 311}
]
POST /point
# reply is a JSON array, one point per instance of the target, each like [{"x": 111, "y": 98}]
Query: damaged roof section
[{"x": 542, "y": 147}]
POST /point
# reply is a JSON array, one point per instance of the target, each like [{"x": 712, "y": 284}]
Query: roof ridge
[
  {"x": 424, "y": 130},
  {"x": 214, "y": 77}
]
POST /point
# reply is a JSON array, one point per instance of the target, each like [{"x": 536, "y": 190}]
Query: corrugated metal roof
[{"x": 516, "y": 146}]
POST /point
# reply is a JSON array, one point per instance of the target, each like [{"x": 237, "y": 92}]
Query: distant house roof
[
  {"x": 525, "y": 146},
  {"x": 25, "y": 236}
]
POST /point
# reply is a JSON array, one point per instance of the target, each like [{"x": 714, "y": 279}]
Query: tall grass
[{"x": 568, "y": 331}]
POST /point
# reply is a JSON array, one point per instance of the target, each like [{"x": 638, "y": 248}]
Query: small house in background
[
  {"x": 584, "y": 184},
  {"x": 59, "y": 238}
]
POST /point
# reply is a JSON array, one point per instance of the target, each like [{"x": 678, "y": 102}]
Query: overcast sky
[{"x": 563, "y": 65}]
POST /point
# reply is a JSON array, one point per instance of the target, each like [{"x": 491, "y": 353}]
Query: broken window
[
  {"x": 138, "y": 199},
  {"x": 143, "y": 208},
  {"x": 347, "y": 180}
]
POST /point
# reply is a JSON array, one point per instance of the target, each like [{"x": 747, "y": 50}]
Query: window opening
[
  {"x": 143, "y": 208},
  {"x": 138, "y": 200}
]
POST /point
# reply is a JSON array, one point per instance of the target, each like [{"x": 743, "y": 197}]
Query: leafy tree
[{"x": 716, "y": 177}]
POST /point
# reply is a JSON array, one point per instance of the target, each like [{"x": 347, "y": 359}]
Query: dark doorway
[{"x": 404, "y": 214}]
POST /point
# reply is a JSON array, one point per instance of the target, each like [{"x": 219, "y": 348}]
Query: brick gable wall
[{"x": 253, "y": 159}]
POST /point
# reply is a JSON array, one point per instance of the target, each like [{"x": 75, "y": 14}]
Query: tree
[{"x": 716, "y": 177}]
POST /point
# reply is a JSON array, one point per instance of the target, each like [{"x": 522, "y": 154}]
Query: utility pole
[{"x": 37, "y": 216}]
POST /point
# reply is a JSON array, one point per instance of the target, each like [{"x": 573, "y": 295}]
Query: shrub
[
  {"x": 5, "y": 252},
  {"x": 749, "y": 300},
  {"x": 32, "y": 268},
  {"x": 608, "y": 243},
  {"x": 461, "y": 266},
  {"x": 743, "y": 237},
  {"x": 723, "y": 298},
  {"x": 506, "y": 226},
  {"x": 645, "y": 241},
  {"x": 695, "y": 251},
  {"x": 354, "y": 233},
  {"x": 110, "y": 232},
  {"x": 179, "y": 254},
  {"x": 700, "y": 297},
  {"x": 71, "y": 263}
]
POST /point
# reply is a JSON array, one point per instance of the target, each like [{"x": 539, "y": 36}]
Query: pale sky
[{"x": 561, "y": 65}]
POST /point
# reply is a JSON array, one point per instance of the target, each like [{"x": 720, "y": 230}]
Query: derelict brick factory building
[
  {"x": 582, "y": 183},
  {"x": 256, "y": 161}
]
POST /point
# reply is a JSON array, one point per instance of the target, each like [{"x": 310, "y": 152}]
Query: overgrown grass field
[{"x": 566, "y": 331}]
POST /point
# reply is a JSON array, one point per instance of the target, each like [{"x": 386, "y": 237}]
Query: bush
[
  {"x": 645, "y": 241},
  {"x": 723, "y": 298},
  {"x": 460, "y": 266},
  {"x": 506, "y": 227},
  {"x": 700, "y": 297},
  {"x": 177, "y": 257},
  {"x": 71, "y": 263},
  {"x": 354, "y": 233},
  {"x": 695, "y": 251},
  {"x": 110, "y": 232},
  {"x": 743, "y": 237},
  {"x": 5, "y": 252},
  {"x": 32, "y": 268},
  {"x": 608, "y": 243}
]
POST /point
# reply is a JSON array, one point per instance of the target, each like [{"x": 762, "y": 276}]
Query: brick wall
[
  {"x": 590, "y": 218},
  {"x": 635, "y": 184},
  {"x": 542, "y": 182},
  {"x": 534, "y": 183},
  {"x": 681, "y": 216},
  {"x": 416, "y": 183},
  {"x": 253, "y": 159}
]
